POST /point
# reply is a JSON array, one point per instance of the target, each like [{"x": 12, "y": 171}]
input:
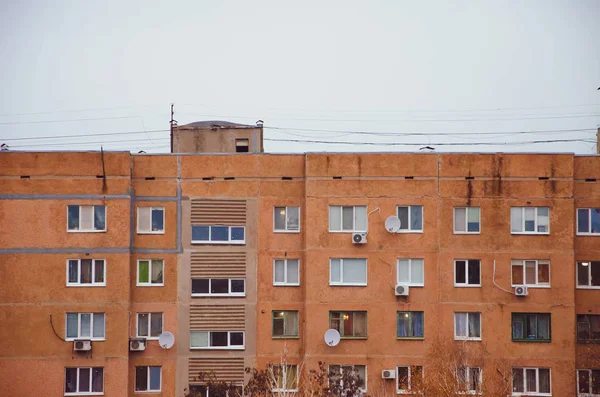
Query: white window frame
[
  {"x": 79, "y": 336},
  {"x": 149, "y": 283},
  {"x": 85, "y": 393},
  {"x": 354, "y": 230},
  {"x": 466, "y": 283},
  {"x": 588, "y": 233},
  {"x": 229, "y": 240},
  {"x": 341, "y": 282},
  {"x": 589, "y": 371},
  {"x": 286, "y": 230},
  {"x": 589, "y": 269},
  {"x": 148, "y": 390},
  {"x": 410, "y": 375},
  {"x": 230, "y": 293},
  {"x": 467, "y": 337},
  {"x": 515, "y": 262},
  {"x": 229, "y": 345},
  {"x": 93, "y": 283},
  {"x": 467, "y": 209},
  {"x": 150, "y": 231},
  {"x": 363, "y": 389},
  {"x": 284, "y": 378},
  {"x": 285, "y": 273},
  {"x": 410, "y": 230},
  {"x": 94, "y": 220},
  {"x": 410, "y": 284},
  {"x": 150, "y": 314},
  {"x": 468, "y": 375},
  {"x": 536, "y": 221},
  {"x": 537, "y": 382}
]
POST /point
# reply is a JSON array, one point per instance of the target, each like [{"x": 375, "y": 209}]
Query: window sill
[
  {"x": 284, "y": 390},
  {"x": 588, "y": 234},
  {"x": 348, "y": 285},
  {"x": 588, "y": 287},
  {"x": 200, "y": 295},
  {"x": 467, "y": 285},
  {"x": 455, "y": 232},
  {"x": 410, "y": 338},
  {"x": 150, "y": 285},
  {"x": 411, "y": 285},
  {"x": 87, "y": 285},
  {"x": 147, "y": 337},
  {"x": 467, "y": 339},
  {"x": 409, "y": 232},
  {"x": 286, "y": 285},
  {"x": 219, "y": 242},
  {"x": 353, "y": 337},
  {"x": 286, "y": 231},
  {"x": 147, "y": 391},
  {"x": 530, "y": 233},
  {"x": 84, "y": 338},
  {"x": 219, "y": 348},
  {"x": 285, "y": 337},
  {"x": 158, "y": 232},
  {"x": 533, "y": 340},
  {"x": 86, "y": 231},
  {"x": 85, "y": 394},
  {"x": 348, "y": 231},
  {"x": 532, "y": 286}
]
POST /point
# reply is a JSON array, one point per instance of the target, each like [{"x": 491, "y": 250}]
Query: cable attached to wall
[
  {"x": 55, "y": 333},
  {"x": 494, "y": 280}
]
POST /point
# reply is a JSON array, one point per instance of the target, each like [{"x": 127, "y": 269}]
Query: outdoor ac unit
[
  {"x": 521, "y": 290},
  {"x": 137, "y": 345},
  {"x": 359, "y": 238},
  {"x": 401, "y": 290},
  {"x": 388, "y": 374},
  {"x": 82, "y": 345}
]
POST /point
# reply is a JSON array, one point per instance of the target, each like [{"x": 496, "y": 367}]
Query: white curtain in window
[
  {"x": 87, "y": 217},
  {"x": 293, "y": 218},
  {"x": 360, "y": 217},
  {"x": 199, "y": 339},
  {"x": 98, "y": 329},
  {"x": 335, "y": 216},
  {"x": 292, "y": 271},
  {"x": 72, "y": 324},
  {"x": 279, "y": 271},
  {"x": 516, "y": 219},
  {"x": 354, "y": 270},
  {"x": 460, "y": 320},
  {"x": 291, "y": 324},
  {"x": 460, "y": 217},
  {"x": 334, "y": 271},
  {"x": 86, "y": 324},
  {"x": 403, "y": 271},
  {"x": 416, "y": 271}
]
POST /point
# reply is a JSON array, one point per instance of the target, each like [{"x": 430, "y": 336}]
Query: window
[
  {"x": 85, "y": 326},
  {"x": 347, "y": 218},
  {"x": 217, "y": 340},
  {"x": 150, "y": 273},
  {"x": 588, "y": 274},
  {"x": 530, "y": 272},
  {"x": 286, "y": 272},
  {"x": 86, "y": 218},
  {"x": 241, "y": 145},
  {"x": 588, "y": 382},
  {"x": 349, "y": 324},
  {"x": 348, "y": 271},
  {"x": 218, "y": 287},
  {"x": 467, "y": 273},
  {"x": 149, "y": 325},
  {"x": 287, "y": 377},
  {"x": 588, "y": 221},
  {"x": 531, "y": 327},
  {"x": 151, "y": 220},
  {"x": 469, "y": 379},
  {"x": 343, "y": 378},
  {"x": 218, "y": 234},
  {"x": 411, "y": 272},
  {"x": 285, "y": 324},
  {"x": 148, "y": 378},
  {"x": 86, "y": 272},
  {"x": 588, "y": 328},
  {"x": 530, "y": 220},
  {"x": 466, "y": 220},
  {"x": 411, "y": 218},
  {"x": 409, "y": 324},
  {"x": 86, "y": 380},
  {"x": 531, "y": 380},
  {"x": 286, "y": 219},
  {"x": 467, "y": 326},
  {"x": 408, "y": 378}
]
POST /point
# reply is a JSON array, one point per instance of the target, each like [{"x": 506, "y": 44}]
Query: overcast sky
[{"x": 312, "y": 70}]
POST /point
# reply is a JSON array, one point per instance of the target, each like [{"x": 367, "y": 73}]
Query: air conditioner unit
[
  {"x": 521, "y": 290},
  {"x": 137, "y": 345},
  {"x": 82, "y": 345},
  {"x": 388, "y": 374},
  {"x": 401, "y": 290},
  {"x": 359, "y": 238}
]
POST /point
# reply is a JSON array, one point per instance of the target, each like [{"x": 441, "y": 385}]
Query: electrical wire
[
  {"x": 429, "y": 143},
  {"x": 82, "y": 135},
  {"x": 77, "y": 110},
  {"x": 66, "y": 121}
]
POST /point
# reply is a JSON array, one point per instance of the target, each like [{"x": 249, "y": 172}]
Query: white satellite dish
[
  {"x": 166, "y": 340},
  {"x": 392, "y": 224},
  {"x": 332, "y": 337}
]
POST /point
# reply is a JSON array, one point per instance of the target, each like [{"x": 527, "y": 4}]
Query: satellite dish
[
  {"x": 332, "y": 337},
  {"x": 392, "y": 224},
  {"x": 166, "y": 340}
]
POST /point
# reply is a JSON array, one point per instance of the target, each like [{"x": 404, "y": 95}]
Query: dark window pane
[
  {"x": 237, "y": 286},
  {"x": 156, "y": 324},
  {"x": 237, "y": 234},
  {"x": 86, "y": 271},
  {"x": 99, "y": 217},
  {"x": 402, "y": 378},
  {"x": 157, "y": 220},
  {"x": 403, "y": 215},
  {"x": 461, "y": 276},
  {"x": 99, "y": 271},
  {"x": 73, "y": 272},
  {"x": 583, "y": 377},
  {"x": 199, "y": 390},
  {"x": 583, "y": 220},
  {"x": 518, "y": 322},
  {"x": 73, "y": 217},
  {"x": 219, "y": 286},
  {"x": 155, "y": 375},
  {"x": 236, "y": 338},
  {"x": 582, "y": 274},
  {"x": 70, "y": 380},
  {"x": 417, "y": 324},
  {"x": 278, "y": 323},
  {"x": 403, "y": 326},
  {"x": 416, "y": 217},
  {"x": 97, "y": 380},
  {"x": 200, "y": 233},
  {"x": 595, "y": 212},
  {"x": 474, "y": 272},
  {"x": 218, "y": 339},
  {"x": 595, "y": 281},
  {"x": 518, "y": 382},
  {"x": 141, "y": 378},
  {"x": 84, "y": 380},
  {"x": 200, "y": 286},
  {"x": 219, "y": 233},
  {"x": 279, "y": 218},
  {"x": 596, "y": 381}
]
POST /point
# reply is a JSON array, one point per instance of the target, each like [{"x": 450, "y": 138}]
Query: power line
[
  {"x": 85, "y": 143},
  {"x": 77, "y": 110},
  {"x": 83, "y": 135},
  {"x": 67, "y": 121},
  {"x": 429, "y": 143}
]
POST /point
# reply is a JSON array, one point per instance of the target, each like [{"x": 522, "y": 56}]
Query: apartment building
[{"x": 241, "y": 254}]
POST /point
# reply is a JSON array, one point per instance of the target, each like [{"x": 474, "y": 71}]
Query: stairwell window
[
  {"x": 149, "y": 325},
  {"x": 348, "y": 271},
  {"x": 225, "y": 340},
  {"x": 467, "y": 326},
  {"x": 85, "y": 326},
  {"x": 469, "y": 379},
  {"x": 86, "y": 273},
  {"x": 467, "y": 220},
  {"x": 588, "y": 382},
  {"x": 410, "y": 325},
  {"x": 151, "y": 220},
  {"x": 411, "y": 271},
  {"x": 534, "y": 273},
  {"x": 349, "y": 324},
  {"x": 285, "y": 324},
  {"x": 148, "y": 379},
  {"x": 588, "y": 274},
  {"x": 588, "y": 221},
  {"x": 150, "y": 273},
  {"x": 526, "y": 381},
  {"x": 411, "y": 218},
  {"x": 467, "y": 273},
  {"x": 286, "y": 377},
  {"x": 218, "y": 234},
  {"x": 286, "y": 272},
  {"x": 86, "y": 218},
  {"x": 286, "y": 219},
  {"x": 348, "y": 218},
  {"x": 218, "y": 287},
  {"x": 408, "y": 378},
  {"x": 87, "y": 381},
  {"x": 531, "y": 327},
  {"x": 530, "y": 220},
  {"x": 588, "y": 328}
]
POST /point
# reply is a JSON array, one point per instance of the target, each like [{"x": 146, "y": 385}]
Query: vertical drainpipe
[
  {"x": 132, "y": 271},
  {"x": 303, "y": 221}
]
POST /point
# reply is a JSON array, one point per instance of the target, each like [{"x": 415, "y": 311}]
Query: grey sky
[{"x": 376, "y": 66}]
